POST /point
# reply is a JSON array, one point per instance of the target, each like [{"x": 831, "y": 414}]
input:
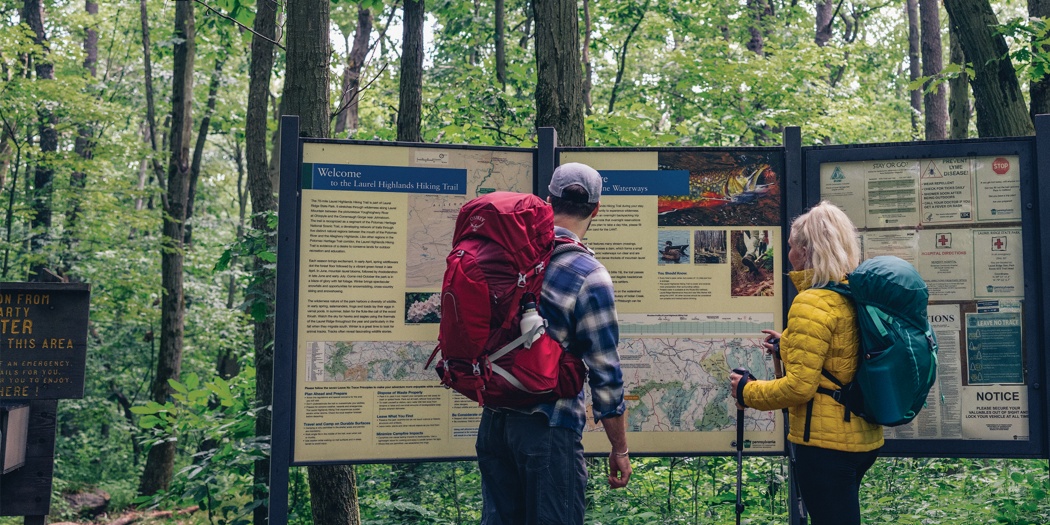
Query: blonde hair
[{"x": 830, "y": 240}]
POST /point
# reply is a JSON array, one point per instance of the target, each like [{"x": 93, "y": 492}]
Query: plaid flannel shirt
[{"x": 580, "y": 309}]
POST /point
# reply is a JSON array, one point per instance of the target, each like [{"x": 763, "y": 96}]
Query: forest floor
[{"x": 141, "y": 517}]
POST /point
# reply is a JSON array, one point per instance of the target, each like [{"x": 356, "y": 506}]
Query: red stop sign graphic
[{"x": 1000, "y": 165}]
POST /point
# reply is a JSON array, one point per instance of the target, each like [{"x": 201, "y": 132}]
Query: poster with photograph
[{"x": 691, "y": 247}]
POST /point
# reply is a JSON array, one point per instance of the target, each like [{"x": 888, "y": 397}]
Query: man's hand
[
  {"x": 619, "y": 470},
  {"x": 619, "y": 462}
]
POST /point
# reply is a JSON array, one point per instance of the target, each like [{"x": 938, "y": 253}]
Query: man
[{"x": 531, "y": 460}]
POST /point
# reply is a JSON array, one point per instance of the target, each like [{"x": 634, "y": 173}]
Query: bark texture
[
  {"x": 44, "y": 173},
  {"x": 161, "y": 458},
  {"x": 333, "y": 491},
  {"x": 934, "y": 101},
  {"x": 261, "y": 189},
  {"x": 347, "y": 120},
  {"x": 958, "y": 90},
  {"x": 825, "y": 15},
  {"x": 84, "y": 144},
  {"x": 998, "y": 101},
  {"x": 1039, "y": 90},
  {"x": 410, "y": 100},
  {"x": 501, "y": 41},
  {"x": 198, "y": 148},
  {"x": 559, "y": 90},
  {"x": 914, "y": 66},
  {"x": 307, "y": 54}
]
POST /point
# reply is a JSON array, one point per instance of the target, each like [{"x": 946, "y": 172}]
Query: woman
[{"x": 832, "y": 451}]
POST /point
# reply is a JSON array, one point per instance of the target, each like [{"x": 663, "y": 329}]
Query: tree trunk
[
  {"x": 9, "y": 212},
  {"x": 621, "y": 57},
  {"x": 408, "y": 130},
  {"x": 44, "y": 172},
  {"x": 914, "y": 67},
  {"x": 1039, "y": 90},
  {"x": 6, "y": 152},
  {"x": 760, "y": 11},
  {"x": 334, "y": 496},
  {"x": 559, "y": 81},
  {"x": 410, "y": 98},
  {"x": 825, "y": 15},
  {"x": 588, "y": 72},
  {"x": 260, "y": 187},
  {"x": 347, "y": 120},
  {"x": 958, "y": 90},
  {"x": 84, "y": 142},
  {"x": 501, "y": 41},
  {"x": 334, "y": 479},
  {"x": 997, "y": 96},
  {"x": 161, "y": 459},
  {"x": 198, "y": 149},
  {"x": 151, "y": 108},
  {"x": 307, "y": 56},
  {"x": 228, "y": 366},
  {"x": 934, "y": 102}
]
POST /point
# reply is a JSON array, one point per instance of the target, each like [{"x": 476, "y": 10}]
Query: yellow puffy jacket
[{"x": 821, "y": 333}]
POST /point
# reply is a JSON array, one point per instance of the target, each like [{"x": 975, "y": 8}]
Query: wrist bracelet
[{"x": 621, "y": 454}]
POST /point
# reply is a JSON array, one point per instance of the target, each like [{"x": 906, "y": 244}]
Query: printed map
[
  {"x": 677, "y": 384},
  {"x": 431, "y": 218},
  {"x": 671, "y": 384},
  {"x": 369, "y": 361}
]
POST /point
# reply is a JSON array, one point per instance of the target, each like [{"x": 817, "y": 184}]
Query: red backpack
[{"x": 501, "y": 246}]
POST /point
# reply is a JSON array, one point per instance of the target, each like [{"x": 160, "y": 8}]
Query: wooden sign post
[{"x": 43, "y": 350}]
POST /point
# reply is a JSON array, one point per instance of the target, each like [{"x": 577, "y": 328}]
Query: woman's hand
[
  {"x": 771, "y": 342},
  {"x": 734, "y": 380}
]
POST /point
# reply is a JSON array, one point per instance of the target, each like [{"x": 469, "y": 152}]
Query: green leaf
[
  {"x": 192, "y": 381},
  {"x": 138, "y": 409},
  {"x": 149, "y": 421},
  {"x": 224, "y": 261},
  {"x": 179, "y": 387}
]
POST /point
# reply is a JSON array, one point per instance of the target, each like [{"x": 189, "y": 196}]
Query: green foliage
[
  {"x": 702, "y": 490},
  {"x": 258, "y": 244},
  {"x": 216, "y": 419},
  {"x": 1031, "y": 50},
  {"x": 446, "y": 492},
  {"x": 917, "y": 491},
  {"x": 689, "y": 80}
]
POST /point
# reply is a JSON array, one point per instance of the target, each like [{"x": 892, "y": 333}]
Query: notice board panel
[
  {"x": 43, "y": 340},
  {"x": 691, "y": 239},
  {"x": 965, "y": 214},
  {"x": 374, "y": 228}
]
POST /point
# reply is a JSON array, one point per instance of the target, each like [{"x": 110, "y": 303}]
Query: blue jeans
[
  {"x": 829, "y": 481},
  {"x": 531, "y": 473}
]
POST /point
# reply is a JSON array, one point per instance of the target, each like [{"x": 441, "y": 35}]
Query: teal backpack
[{"x": 898, "y": 350}]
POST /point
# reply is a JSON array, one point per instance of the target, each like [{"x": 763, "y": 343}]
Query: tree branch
[
  {"x": 242, "y": 26},
  {"x": 353, "y": 99}
]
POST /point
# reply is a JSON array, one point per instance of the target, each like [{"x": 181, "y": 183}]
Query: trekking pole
[
  {"x": 739, "y": 462},
  {"x": 795, "y": 505},
  {"x": 740, "y": 448}
]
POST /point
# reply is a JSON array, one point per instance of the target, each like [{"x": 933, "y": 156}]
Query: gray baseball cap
[{"x": 575, "y": 173}]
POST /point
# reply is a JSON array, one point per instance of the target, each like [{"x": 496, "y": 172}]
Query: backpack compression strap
[
  {"x": 835, "y": 394},
  {"x": 562, "y": 245}
]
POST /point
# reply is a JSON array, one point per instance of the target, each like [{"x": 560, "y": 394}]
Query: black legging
[{"x": 829, "y": 481}]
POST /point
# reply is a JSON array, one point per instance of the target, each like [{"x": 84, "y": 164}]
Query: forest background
[{"x": 137, "y": 153}]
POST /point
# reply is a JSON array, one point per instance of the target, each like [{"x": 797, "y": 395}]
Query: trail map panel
[
  {"x": 689, "y": 239},
  {"x": 375, "y": 229}
]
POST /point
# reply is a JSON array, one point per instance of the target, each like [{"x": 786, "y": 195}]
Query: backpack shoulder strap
[
  {"x": 837, "y": 395},
  {"x": 841, "y": 288},
  {"x": 568, "y": 245}
]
